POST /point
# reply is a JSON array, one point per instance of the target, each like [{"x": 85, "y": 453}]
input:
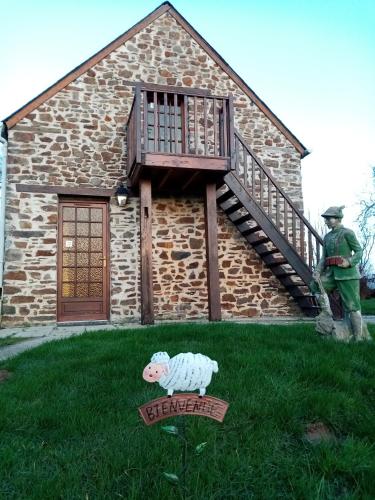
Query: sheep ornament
[{"x": 184, "y": 372}]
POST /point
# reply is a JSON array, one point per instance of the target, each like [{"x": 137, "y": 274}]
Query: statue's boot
[
  {"x": 359, "y": 328},
  {"x": 324, "y": 323}
]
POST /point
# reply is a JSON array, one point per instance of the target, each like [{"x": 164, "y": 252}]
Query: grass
[
  {"x": 368, "y": 306},
  {"x": 69, "y": 426},
  {"x": 11, "y": 341}
]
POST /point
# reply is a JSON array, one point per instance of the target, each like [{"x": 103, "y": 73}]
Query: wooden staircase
[{"x": 272, "y": 224}]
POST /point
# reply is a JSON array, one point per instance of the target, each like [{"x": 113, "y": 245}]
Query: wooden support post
[
  {"x": 213, "y": 285},
  {"x": 147, "y": 303}
]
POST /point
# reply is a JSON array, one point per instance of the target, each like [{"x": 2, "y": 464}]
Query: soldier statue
[{"x": 338, "y": 269}]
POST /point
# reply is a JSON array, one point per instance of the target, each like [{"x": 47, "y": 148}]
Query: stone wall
[
  {"x": 124, "y": 262},
  {"x": 248, "y": 288},
  {"x": 179, "y": 259},
  {"x": 77, "y": 138},
  {"x": 30, "y": 270}
]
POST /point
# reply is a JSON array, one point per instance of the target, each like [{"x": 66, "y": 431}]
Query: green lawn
[
  {"x": 69, "y": 426},
  {"x": 368, "y": 306}
]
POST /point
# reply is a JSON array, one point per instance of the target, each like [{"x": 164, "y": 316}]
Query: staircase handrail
[{"x": 277, "y": 186}]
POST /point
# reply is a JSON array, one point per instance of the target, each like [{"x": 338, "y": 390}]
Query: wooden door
[{"x": 83, "y": 277}]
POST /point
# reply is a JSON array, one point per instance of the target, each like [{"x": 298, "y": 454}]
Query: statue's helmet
[{"x": 335, "y": 212}]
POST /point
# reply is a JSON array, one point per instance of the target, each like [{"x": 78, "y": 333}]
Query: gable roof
[{"x": 14, "y": 118}]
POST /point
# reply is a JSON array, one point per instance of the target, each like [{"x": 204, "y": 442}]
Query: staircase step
[
  {"x": 251, "y": 230},
  {"x": 298, "y": 294},
  {"x": 293, "y": 285},
  {"x": 224, "y": 197},
  {"x": 284, "y": 274},
  {"x": 307, "y": 304},
  {"x": 275, "y": 263},
  {"x": 269, "y": 252},
  {"x": 241, "y": 220},
  {"x": 289, "y": 283},
  {"x": 255, "y": 243},
  {"x": 233, "y": 208}
]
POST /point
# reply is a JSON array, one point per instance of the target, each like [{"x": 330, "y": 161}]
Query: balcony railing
[{"x": 184, "y": 123}]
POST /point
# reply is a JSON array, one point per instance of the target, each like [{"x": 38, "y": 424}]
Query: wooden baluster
[
  {"x": 252, "y": 177},
  {"x": 205, "y": 124},
  {"x": 294, "y": 228},
  {"x": 128, "y": 144},
  {"x": 245, "y": 167},
  {"x": 195, "y": 125},
  {"x": 145, "y": 120},
  {"x": 225, "y": 136},
  {"x": 156, "y": 124},
  {"x": 237, "y": 152},
  {"x": 171, "y": 127},
  {"x": 302, "y": 239},
  {"x": 138, "y": 120},
  {"x": 286, "y": 219},
  {"x": 175, "y": 124},
  {"x": 214, "y": 122},
  {"x": 269, "y": 196},
  {"x": 166, "y": 124},
  {"x": 132, "y": 140},
  {"x": 185, "y": 126},
  {"x": 261, "y": 188},
  {"x": 310, "y": 250},
  {"x": 277, "y": 208},
  {"x": 170, "y": 105}
]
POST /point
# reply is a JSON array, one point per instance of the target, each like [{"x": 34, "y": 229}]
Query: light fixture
[{"x": 122, "y": 194}]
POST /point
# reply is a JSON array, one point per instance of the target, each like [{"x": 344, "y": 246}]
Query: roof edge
[
  {"x": 27, "y": 108},
  {"x": 240, "y": 82},
  {"x": 15, "y": 117}
]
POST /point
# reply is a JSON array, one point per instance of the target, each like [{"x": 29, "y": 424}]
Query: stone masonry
[{"x": 77, "y": 138}]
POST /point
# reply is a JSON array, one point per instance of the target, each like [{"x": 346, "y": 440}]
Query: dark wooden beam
[
  {"x": 169, "y": 88},
  {"x": 65, "y": 190},
  {"x": 147, "y": 303},
  {"x": 192, "y": 178},
  {"x": 213, "y": 284},
  {"x": 166, "y": 176},
  {"x": 164, "y": 160}
]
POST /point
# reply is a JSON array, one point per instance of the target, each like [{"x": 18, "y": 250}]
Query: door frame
[{"x": 77, "y": 201}]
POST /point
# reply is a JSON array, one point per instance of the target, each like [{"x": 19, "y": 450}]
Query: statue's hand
[{"x": 344, "y": 263}]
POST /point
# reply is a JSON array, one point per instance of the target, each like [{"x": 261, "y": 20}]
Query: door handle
[{"x": 104, "y": 260}]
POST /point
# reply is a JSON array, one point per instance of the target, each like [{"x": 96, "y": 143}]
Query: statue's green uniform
[{"x": 341, "y": 242}]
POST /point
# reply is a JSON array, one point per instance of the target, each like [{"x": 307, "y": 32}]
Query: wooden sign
[{"x": 183, "y": 404}]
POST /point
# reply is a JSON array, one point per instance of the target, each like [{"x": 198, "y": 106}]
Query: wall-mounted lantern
[{"x": 122, "y": 194}]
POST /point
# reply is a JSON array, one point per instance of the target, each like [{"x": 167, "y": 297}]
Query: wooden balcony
[{"x": 179, "y": 138}]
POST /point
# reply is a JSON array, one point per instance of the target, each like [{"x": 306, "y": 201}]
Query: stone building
[{"x": 213, "y": 225}]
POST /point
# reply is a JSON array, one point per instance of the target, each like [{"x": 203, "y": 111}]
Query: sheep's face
[{"x": 154, "y": 371}]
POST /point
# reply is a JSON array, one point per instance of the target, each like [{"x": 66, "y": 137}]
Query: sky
[{"x": 312, "y": 62}]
